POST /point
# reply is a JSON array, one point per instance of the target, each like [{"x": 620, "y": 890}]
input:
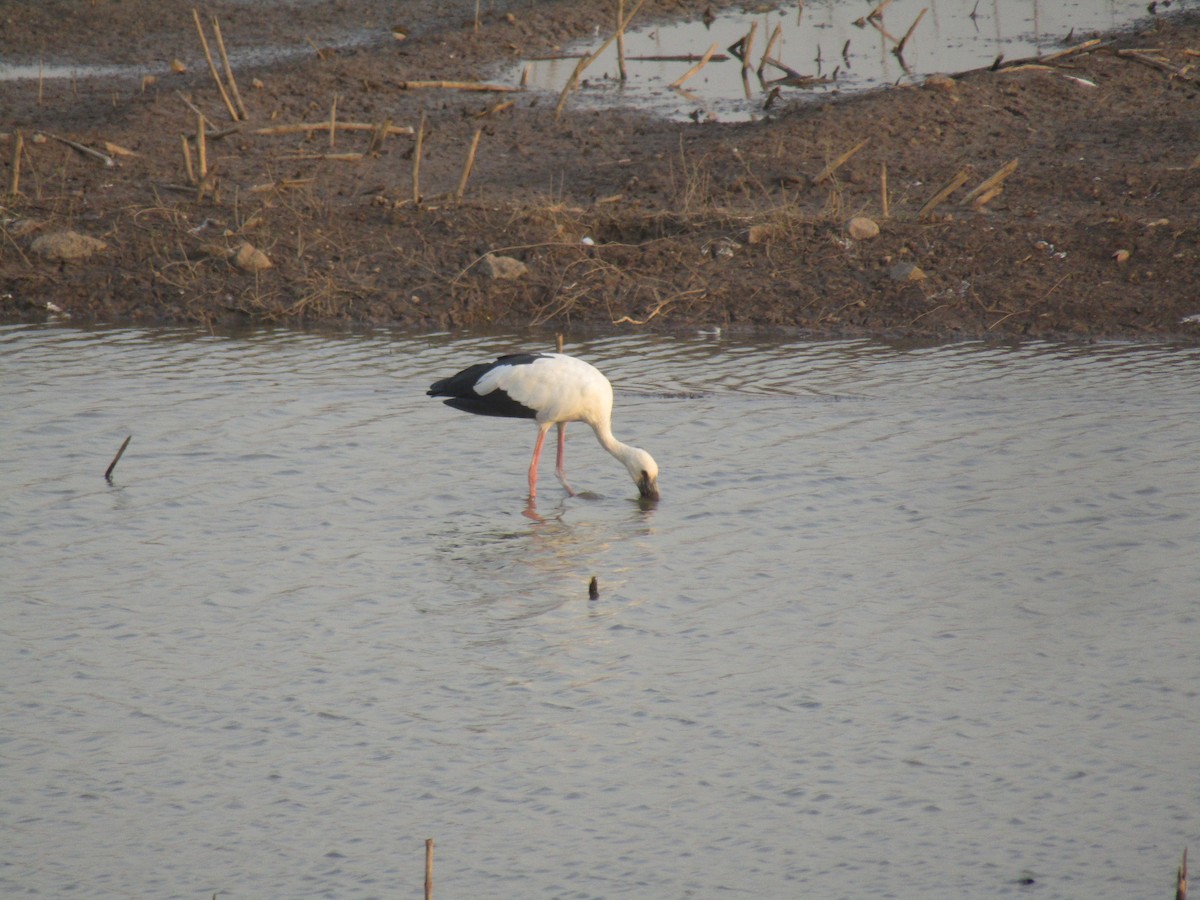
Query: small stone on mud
[
  {"x": 862, "y": 228},
  {"x": 943, "y": 83},
  {"x": 250, "y": 259},
  {"x": 906, "y": 271},
  {"x": 759, "y": 234},
  {"x": 66, "y": 245},
  {"x": 504, "y": 268}
]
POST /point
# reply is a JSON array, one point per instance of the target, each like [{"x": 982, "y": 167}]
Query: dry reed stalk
[
  {"x": 840, "y": 161},
  {"x": 201, "y": 149},
  {"x": 748, "y": 46},
  {"x": 352, "y": 156},
  {"x": 883, "y": 190},
  {"x": 237, "y": 97},
  {"x": 212, "y": 67},
  {"x": 456, "y": 86},
  {"x": 333, "y": 122},
  {"x": 187, "y": 159},
  {"x": 775, "y": 35},
  {"x": 302, "y": 127},
  {"x": 416, "y": 169},
  {"x": 1085, "y": 47},
  {"x": 470, "y": 164},
  {"x": 14, "y": 183},
  {"x": 82, "y": 148},
  {"x": 573, "y": 81},
  {"x": 899, "y": 51},
  {"x": 621, "y": 42},
  {"x": 694, "y": 69},
  {"x": 496, "y": 109},
  {"x": 991, "y": 182},
  {"x": 281, "y": 185},
  {"x": 378, "y": 136},
  {"x": 429, "y": 869},
  {"x": 1181, "y": 879},
  {"x": 955, "y": 182}
]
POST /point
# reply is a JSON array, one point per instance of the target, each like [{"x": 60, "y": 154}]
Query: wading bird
[{"x": 551, "y": 389}]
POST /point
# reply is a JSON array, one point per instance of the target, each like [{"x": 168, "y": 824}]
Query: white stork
[{"x": 551, "y": 389}]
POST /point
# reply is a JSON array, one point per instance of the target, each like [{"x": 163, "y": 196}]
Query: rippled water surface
[{"x": 906, "y": 623}]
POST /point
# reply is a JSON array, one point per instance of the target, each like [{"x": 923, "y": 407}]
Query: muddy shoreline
[{"x": 615, "y": 220}]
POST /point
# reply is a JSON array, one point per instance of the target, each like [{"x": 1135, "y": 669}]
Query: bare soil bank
[{"x": 1095, "y": 233}]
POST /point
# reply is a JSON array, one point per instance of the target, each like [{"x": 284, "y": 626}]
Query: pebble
[
  {"x": 906, "y": 271},
  {"x": 504, "y": 268},
  {"x": 250, "y": 259},
  {"x": 862, "y": 229}
]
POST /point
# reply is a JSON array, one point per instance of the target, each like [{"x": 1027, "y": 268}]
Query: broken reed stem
[
  {"x": 378, "y": 136},
  {"x": 573, "y": 81},
  {"x": 993, "y": 181},
  {"x": 840, "y": 161},
  {"x": 1181, "y": 879},
  {"x": 957, "y": 181},
  {"x": 14, "y": 183},
  {"x": 694, "y": 69},
  {"x": 456, "y": 86},
  {"x": 82, "y": 148},
  {"x": 212, "y": 67},
  {"x": 112, "y": 465},
  {"x": 883, "y": 190},
  {"x": 187, "y": 159},
  {"x": 428, "y": 868},
  {"x": 748, "y": 46},
  {"x": 470, "y": 164},
  {"x": 911, "y": 28},
  {"x": 201, "y": 149},
  {"x": 333, "y": 122},
  {"x": 770, "y": 46},
  {"x": 416, "y": 170},
  {"x": 877, "y": 12},
  {"x": 216, "y": 26},
  {"x": 621, "y": 42},
  {"x": 321, "y": 126}
]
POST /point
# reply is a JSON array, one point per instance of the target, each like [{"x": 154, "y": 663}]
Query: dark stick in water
[{"x": 112, "y": 465}]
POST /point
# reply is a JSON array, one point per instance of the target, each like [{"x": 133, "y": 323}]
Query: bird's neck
[{"x": 604, "y": 435}]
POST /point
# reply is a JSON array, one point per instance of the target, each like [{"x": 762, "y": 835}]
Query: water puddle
[{"x": 821, "y": 47}]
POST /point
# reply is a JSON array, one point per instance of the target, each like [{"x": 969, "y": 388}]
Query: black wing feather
[{"x": 460, "y": 389}]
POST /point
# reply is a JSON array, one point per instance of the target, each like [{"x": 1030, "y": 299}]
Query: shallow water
[
  {"x": 820, "y": 39},
  {"x": 908, "y": 622}
]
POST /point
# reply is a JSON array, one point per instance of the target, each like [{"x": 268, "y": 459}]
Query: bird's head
[{"x": 644, "y": 470}]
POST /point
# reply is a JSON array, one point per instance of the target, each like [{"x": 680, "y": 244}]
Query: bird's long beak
[{"x": 648, "y": 487}]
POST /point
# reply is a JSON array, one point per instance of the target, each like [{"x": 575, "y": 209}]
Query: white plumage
[{"x": 551, "y": 389}]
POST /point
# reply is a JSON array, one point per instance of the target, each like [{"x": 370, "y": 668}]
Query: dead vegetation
[{"x": 968, "y": 206}]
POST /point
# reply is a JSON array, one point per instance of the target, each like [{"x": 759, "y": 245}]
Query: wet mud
[{"x": 600, "y": 219}]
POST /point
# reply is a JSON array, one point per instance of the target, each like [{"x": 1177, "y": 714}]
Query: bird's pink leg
[
  {"x": 537, "y": 455},
  {"x": 558, "y": 466}
]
